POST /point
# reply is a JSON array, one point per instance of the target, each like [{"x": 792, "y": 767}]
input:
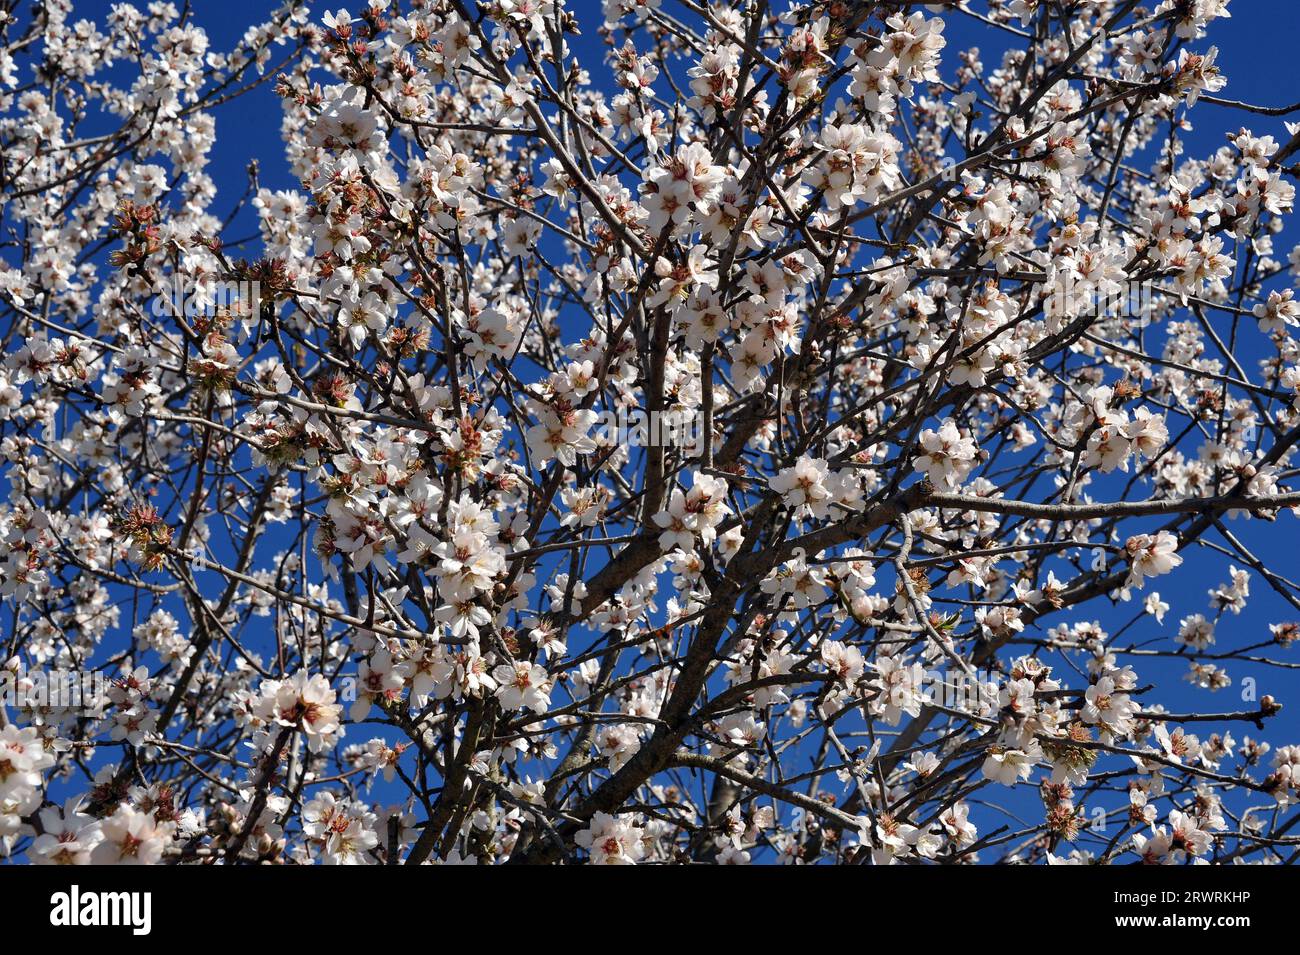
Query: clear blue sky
[{"x": 1257, "y": 54}]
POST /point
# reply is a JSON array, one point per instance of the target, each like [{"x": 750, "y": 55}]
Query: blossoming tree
[{"x": 340, "y": 518}]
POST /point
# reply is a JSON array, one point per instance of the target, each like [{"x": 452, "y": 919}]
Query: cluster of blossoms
[{"x": 372, "y": 570}]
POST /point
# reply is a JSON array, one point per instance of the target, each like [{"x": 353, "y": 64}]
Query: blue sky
[{"x": 1256, "y": 54}]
